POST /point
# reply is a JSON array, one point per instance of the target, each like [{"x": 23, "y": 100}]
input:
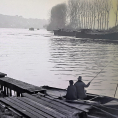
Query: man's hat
[
  {"x": 71, "y": 81},
  {"x": 79, "y": 78}
]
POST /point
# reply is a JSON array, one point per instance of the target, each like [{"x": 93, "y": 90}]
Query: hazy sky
[
  {"x": 36, "y": 8},
  {"x": 28, "y": 8}
]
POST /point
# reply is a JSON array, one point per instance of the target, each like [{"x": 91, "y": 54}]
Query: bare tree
[
  {"x": 73, "y": 13},
  {"x": 89, "y": 13},
  {"x": 81, "y": 9},
  {"x": 92, "y": 15},
  {"x": 101, "y": 14},
  {"x": 116, "y": 12},
  {"x": 107, "y": 7}
]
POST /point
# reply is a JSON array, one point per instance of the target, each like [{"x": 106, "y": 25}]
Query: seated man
[
  {"x": 81, "y": 94},
  {"x": 71, "y": 92}
]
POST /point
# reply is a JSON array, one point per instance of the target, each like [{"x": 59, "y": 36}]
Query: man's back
[
  {"x": 80, "y": 89},
  {"x": 71, "y": 93}
]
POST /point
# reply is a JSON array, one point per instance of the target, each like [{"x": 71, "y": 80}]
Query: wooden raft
[{"x": 36, "y": 106}]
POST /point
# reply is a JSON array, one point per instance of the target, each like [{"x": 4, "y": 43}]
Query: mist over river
[{"x": 40, "y": 58}]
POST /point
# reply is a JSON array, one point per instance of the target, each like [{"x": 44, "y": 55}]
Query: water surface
[{"x": 40, "y": 58}]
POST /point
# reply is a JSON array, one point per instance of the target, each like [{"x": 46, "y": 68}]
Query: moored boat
[
  {"x": 96, "y": 34},
  {"x": 63, "y": 32},
  {"x": 31, "y": 29},
  {"x": 101, "y": 106},
  {"x": 87, "y": 33}
]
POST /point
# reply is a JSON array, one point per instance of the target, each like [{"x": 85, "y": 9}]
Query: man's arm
[{"x": 87, "y": 85}]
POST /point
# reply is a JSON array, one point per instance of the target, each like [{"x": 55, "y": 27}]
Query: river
[{"x": 40, "y": 58}]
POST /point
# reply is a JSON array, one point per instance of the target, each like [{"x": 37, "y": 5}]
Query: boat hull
[
  {"x": 90, "y": 97},
  {"x": 87, "y": 34},
  {"x": 102, "y": 106},
  {"x": 113, "y": 36},
  {"x": 64, "y": 33}
]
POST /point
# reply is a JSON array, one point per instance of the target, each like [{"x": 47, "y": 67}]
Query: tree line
[
  {"x": 83, "y": 14},
  {"x": 7, "y": 21}
]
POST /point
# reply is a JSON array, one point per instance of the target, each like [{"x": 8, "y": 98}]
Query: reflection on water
[
  {"x": 85, "y": 57},
  {"x": 39, "y": 58}
]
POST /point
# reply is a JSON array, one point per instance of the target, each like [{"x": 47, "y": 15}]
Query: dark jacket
[
  {"x": 81, "y": 94},
  {"x": 71, "y": 93}
]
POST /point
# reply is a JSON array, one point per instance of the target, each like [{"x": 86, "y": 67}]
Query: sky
[
  {"x": 28, "y": 8},
  {"x": 36, "y": 8}
]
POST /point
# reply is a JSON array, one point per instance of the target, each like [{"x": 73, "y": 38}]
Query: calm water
[{"x": 39, "y": 58}]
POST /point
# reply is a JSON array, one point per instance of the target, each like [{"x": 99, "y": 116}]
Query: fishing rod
[{"x": 99, "y": 72}]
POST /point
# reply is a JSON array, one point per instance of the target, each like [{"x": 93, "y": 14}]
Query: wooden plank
[
  {"x": 90, "y": 116},
  {"x": 15, "y": 112},
  {"x": 81, "y": 107},
  {"x": 20, "y": 109},
  {"x": 25, "y": 106},
  {"x": 41, "y": 112},
  {"x": 48, "y": 104},
  {"x": 52, "y": 101},
  {"x": 41, "y": 107}
]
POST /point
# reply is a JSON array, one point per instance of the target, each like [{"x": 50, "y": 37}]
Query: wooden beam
[{"x": 19, "y": 86}]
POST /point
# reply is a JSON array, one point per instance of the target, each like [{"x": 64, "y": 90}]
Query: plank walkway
[
  {"x": 33, "y": 107},
  {"x": 33, "y": 104},
  {"x": 61, "y": 103}
]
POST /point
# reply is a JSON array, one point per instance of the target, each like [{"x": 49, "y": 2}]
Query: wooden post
[
  {"x": 5, "y": 90},
  {"x": 1, "y": 87},
  {"x": 10, "y": 92},
  {"x": 18, "y": 94}
]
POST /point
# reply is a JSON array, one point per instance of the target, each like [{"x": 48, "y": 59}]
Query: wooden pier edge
[{"x": 7, "y": 85}]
